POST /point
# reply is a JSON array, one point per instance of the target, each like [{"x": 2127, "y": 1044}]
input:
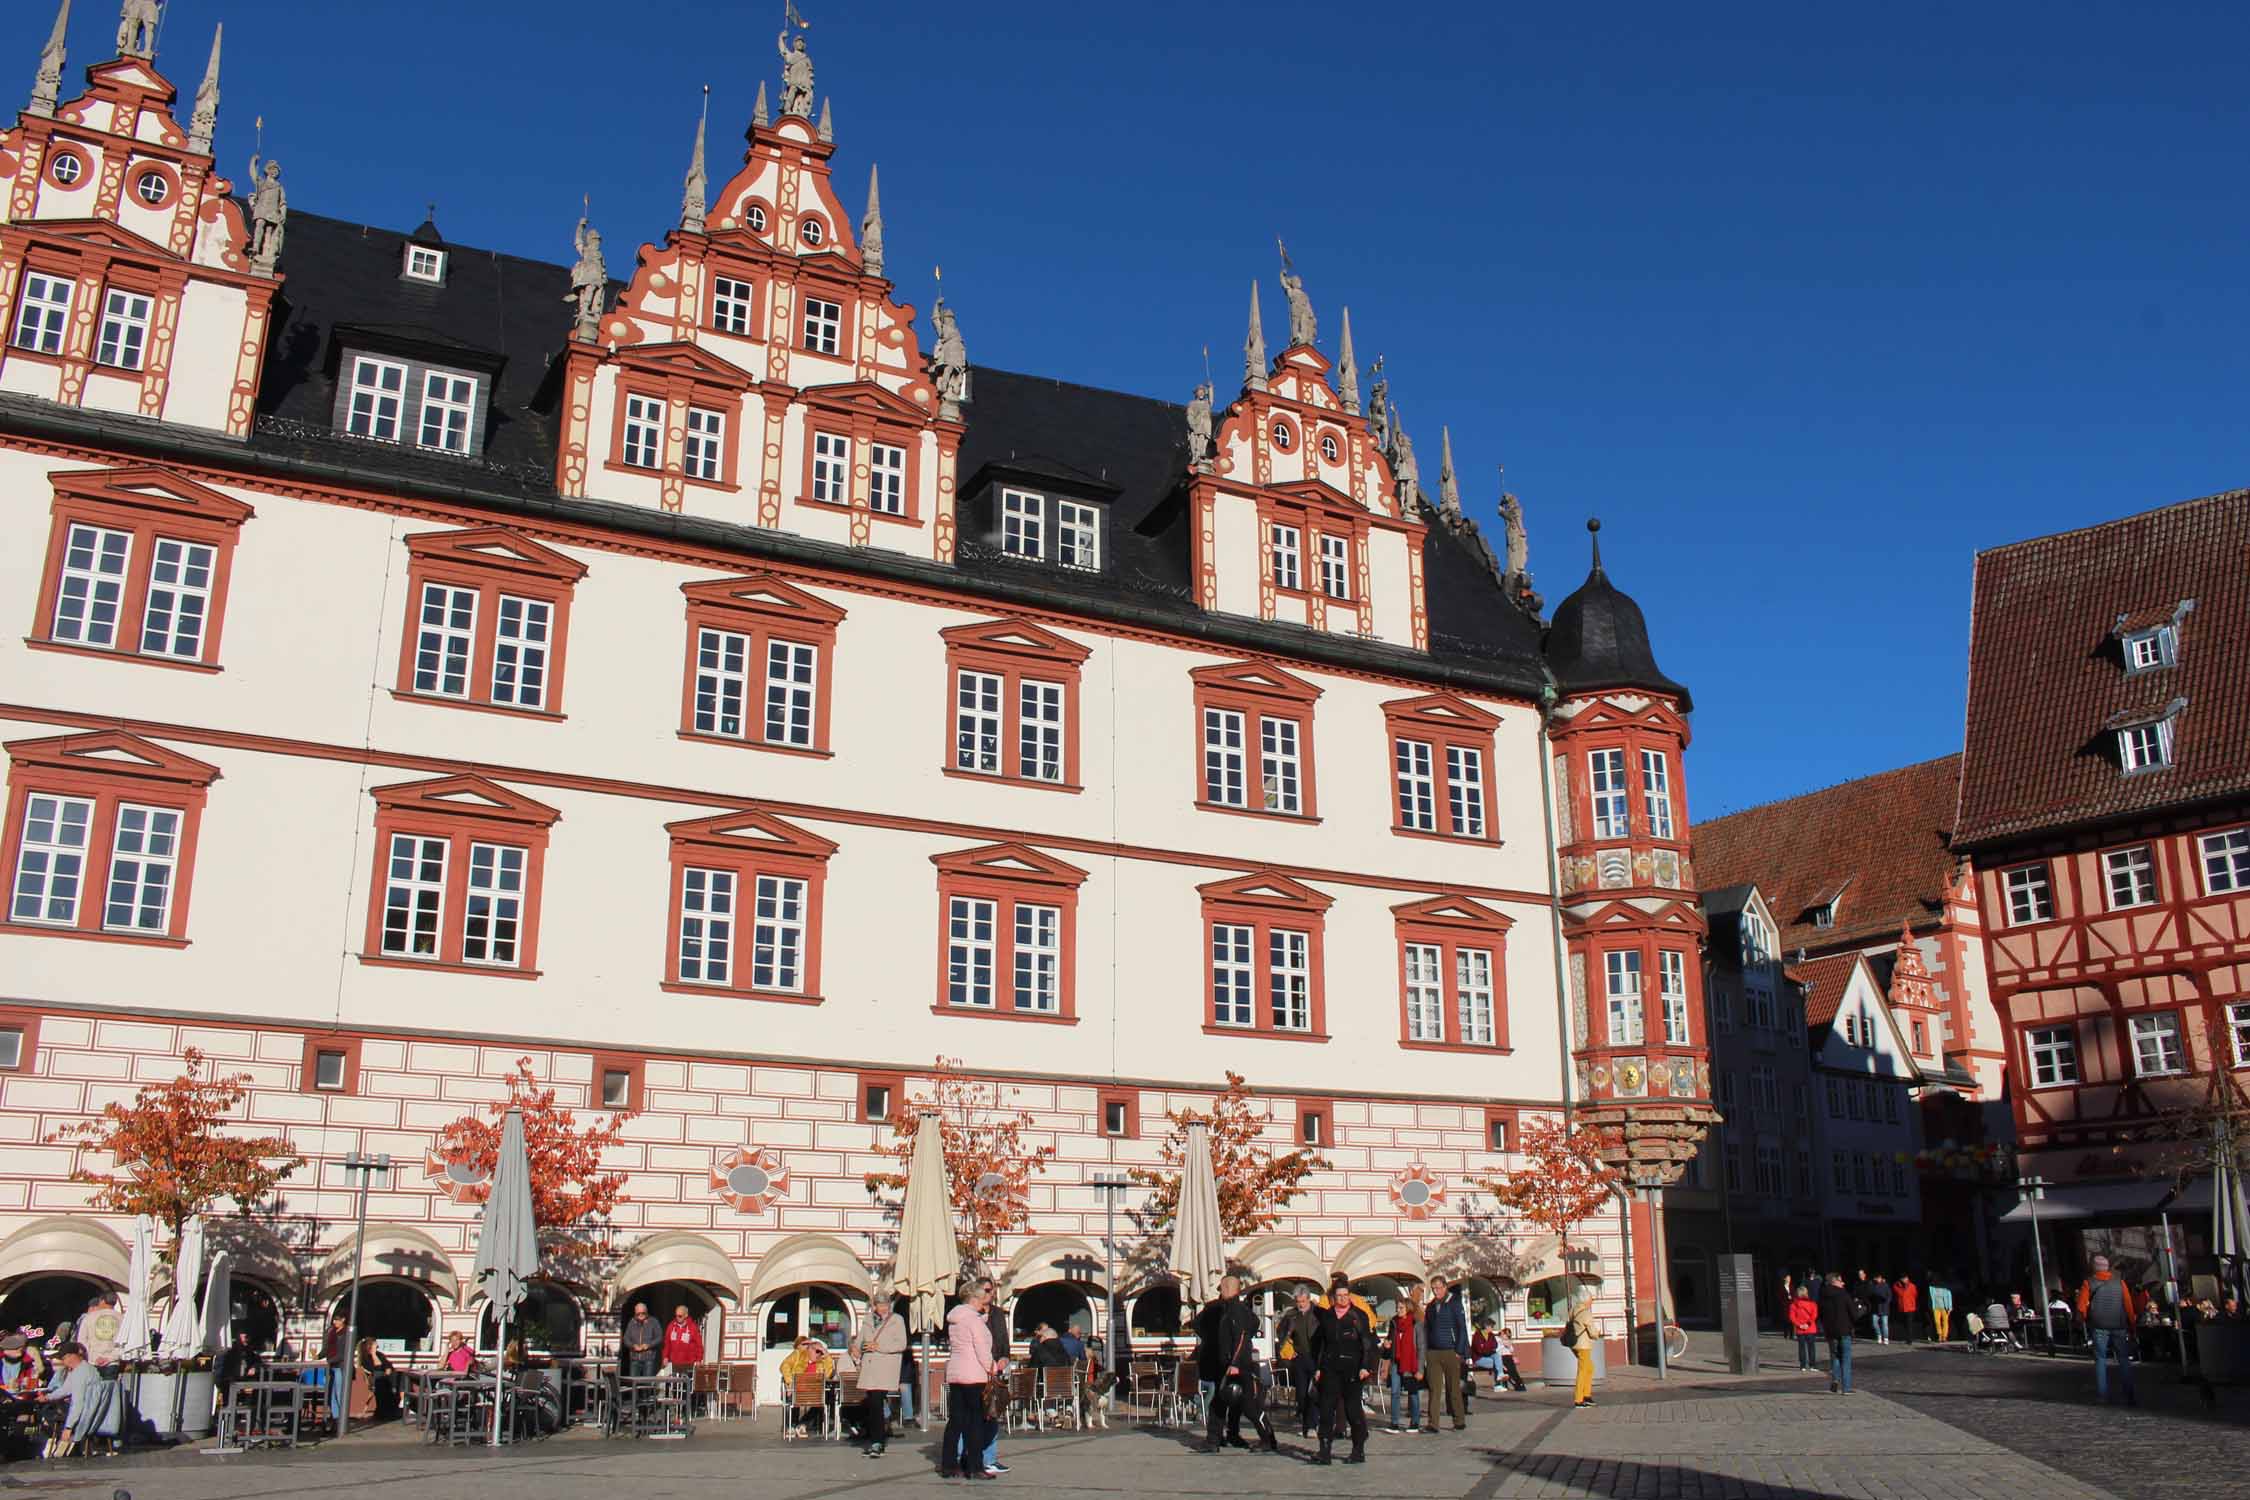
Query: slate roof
[
  {"x": 1880, "y": 840},
  {"x": 1599, "y": 639},
  {"x": 2047, "y": 677}
]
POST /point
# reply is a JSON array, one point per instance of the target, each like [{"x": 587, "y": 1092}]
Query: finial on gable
[
  {"x": 206, "y": 117},
  {"x": 827, "y": 130},
  {"x": 758, "y": 114},
  {"x": 47, "y": 87},
  {"x": 693, "y": 204},
  {"x": 1254, "y": 348},
  {"x": 871, "y": 227},
  {"x": 1448, "y": 486},
  {"x": 1347, "y": 369}
]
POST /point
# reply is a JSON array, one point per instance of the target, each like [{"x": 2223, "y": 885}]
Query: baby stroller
[{"x": 1990, "y": 1333}]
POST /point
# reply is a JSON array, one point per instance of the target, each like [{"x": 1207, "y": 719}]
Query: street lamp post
[
  {"x": 364, "y": 1168},
  {"x": 1109, "y": 1185},
  {"x": 2037, "y": 1188}
]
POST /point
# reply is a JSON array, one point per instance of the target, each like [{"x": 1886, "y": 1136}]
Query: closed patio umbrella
[
  {"x": 140, "y": 1290},
  {"x": 928, "y": 1267},
  {"x": 218, "y": 1304},
  {"x": 183, "y": 1321},
  {"x": 507, "y": 1248},
  {"x": 1198, "y": 1257}
]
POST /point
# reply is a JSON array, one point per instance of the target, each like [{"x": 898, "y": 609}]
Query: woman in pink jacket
[{"x": 968, "y": 1366}]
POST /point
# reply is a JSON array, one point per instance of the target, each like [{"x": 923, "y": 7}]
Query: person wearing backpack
[
  {"x": 1840, "y": 1313},
  {"x": 1578, "y": 1337},
  {"x": 2105, "y": 1306}
]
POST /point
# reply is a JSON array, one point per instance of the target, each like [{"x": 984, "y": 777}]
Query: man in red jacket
[
  {"x": 1907, "y": 1297},
  {"x": 2106, "y": 1307},
  {"x": 683, "y": 1342}
]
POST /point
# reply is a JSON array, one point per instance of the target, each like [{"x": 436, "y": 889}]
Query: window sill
[
  {"x": 1255, "y": 812},
  {"x": 1265, "y": 1033},
  {"x": 716, "y": 486},
  {"x": 1481, "y": 841},
  {"x": 439, "y": 966},
  {"x": 909, "y": 519},
  {"x": 439, "y": 700},
  {"x": 733, "y": 742},
  {"x": 40, "y": 356},
  {"x": 1481, "y": 1049},
  {"x": 779, "y": 997},
  {"x": 94, "y": 934},
  {"x": 146, "y": 659},
  {"x": 979, "y": 1012},
  {"x": 996, "y": 779}
]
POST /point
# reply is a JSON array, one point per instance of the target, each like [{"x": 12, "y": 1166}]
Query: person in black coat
[
  {"x": 1343, "y": 1358},
  {"x": 1226, "y": 1356},
  {"x": 1840, "y": 1312},
  {"x": 1298, "y": 1327}
]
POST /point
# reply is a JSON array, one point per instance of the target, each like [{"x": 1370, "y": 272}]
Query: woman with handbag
[
  {"x": 880, "y": 1353},
  {"x": 969, "y": 1369}
]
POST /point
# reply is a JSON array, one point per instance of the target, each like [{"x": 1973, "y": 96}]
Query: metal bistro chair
[{"x": 807, "y": 1393}]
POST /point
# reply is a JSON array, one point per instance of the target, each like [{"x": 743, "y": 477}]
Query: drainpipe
[{"x": 1554, "y": 887}]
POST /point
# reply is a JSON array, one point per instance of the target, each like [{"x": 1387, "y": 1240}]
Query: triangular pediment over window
[
  {"x": 1454, "y": 911},
  {"x": 100, "y": 232},
  {"x": 1440, "y": 711},
  {"x": 1266, "y": 888},
  {"x": 495, "y": 547},
  {"x": 464, "y": 797},
  {"x": 751, "y": 829},
  {"x": 1318, "y": 495},
  {"x": 1010, "y": 862},
  {"x": 864, "y": 397},
  {"x": 1014, "y": 638},
  {"x": 111, "y": 752},
  {"x": 1262, "y": 678},
  {"x": 764, "y": 594},
  {"x": 148, "y": 487},
  {"x": 689, "y": 362}
]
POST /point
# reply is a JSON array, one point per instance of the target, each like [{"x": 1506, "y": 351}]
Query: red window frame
[
  {"x": 765, "y": 607},
  {"x": 317, "y": 1042},
  {"x": 1510, "y": 1122},
  {"x": 1443, "y": 722},
  {"x": 1006, "y": 874},
  {"x": 1013, "y": 650},
  {"x": 1263, "y": 901},
  {"x": 843, "y": 294},
  {"x": 895, "y": 1082},
  {"x": 1452, "y": 923},
  {"x": 1131, "y": 1100},
  {"x": 492, "y": 561},
  {"x": 27, "y": 1022},
  {"x": 761, "y": 293},
  {"x": 864, "y": 413},
  {"x": 107, "y": 767},
  {"x": 747, "y": 844},
  {"x": 676, "y": 377},
  {"x": 462, "y": 810},
  {"x": 1326, "y": 1110},
  {"x": 151, "y": 504},
  {"x": 1257, "y": 689},
  {"x": 635, "y": 1069},
  {"x": 1314, "y": 516}
]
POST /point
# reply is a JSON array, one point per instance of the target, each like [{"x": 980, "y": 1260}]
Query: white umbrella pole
[{"x": 499, "y": 1374}]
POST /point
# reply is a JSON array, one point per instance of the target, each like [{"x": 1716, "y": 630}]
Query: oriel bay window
[
  {"x": 1014, "y": 714},
  {"x": 137, "y": 566},
  {"x": 1007, "y": 934},
  {"x": 1255, "y": 747},
  {"x": 458, "y": 867},
  {"x": 746, "y": 908},
  {"x": 1263, "y": 968},
  {"x": 760, "y": 660},
  {"x": 488, "y": 617},
  {"x": 1453, "y": 986},
  {"x": 100, "y": 836},
  {"x": 1441, "y": 758}
]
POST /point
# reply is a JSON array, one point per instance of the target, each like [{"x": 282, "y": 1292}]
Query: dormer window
[
  {"x": 2145, "y": 747},
  {"x": 378, "y": 395},
  {"x": 425, "y": 263},
  {"x": 2147, "y": 650},
  {"x": 395, "y": 401},
  {"x": 1048, "y": 528},
  {"x": 1824, "y": 915},
  {"x": 1078, "y": 535}
]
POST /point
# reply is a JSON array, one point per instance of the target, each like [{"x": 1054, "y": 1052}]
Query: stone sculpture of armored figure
[
  {"x": 1403, "y": 465},
  {"x": 136, "y": 28},
  {"x": 1303, "y": 327},
  {"x": 269, "y": 214},
  {"x": 1199, "y": 428},
  {"x": 796, "y": 77},
  {"x": 1379, "y": 407},
  {"x": 949, "y": 365},
  {"x": 1519, "y": 546},
  {"x": 589, "y": 278}
]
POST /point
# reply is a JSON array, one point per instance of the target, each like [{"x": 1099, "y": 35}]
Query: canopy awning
[
  {"x": 1278, "y": 1257},
  {"x": 2095, "y": 1200},
  {"x": 396, "y": 1251},
  {"x": 1051, "y": 1258},
  {"x": 1380, "y": 1255},
  {"x": 809, "y": 1260},
  {"x": 60, "y": 1246},
  {"x": 678, "y": 1255}
]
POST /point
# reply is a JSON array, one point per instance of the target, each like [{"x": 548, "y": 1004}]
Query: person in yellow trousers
[{"x": 1579, "y": 1335}]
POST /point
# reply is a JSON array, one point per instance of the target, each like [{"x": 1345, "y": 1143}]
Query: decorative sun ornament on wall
[
  {"x": 1417, "y": 1192},
  {"x": 751, "y": 1178},
  {"x": 462, "y": 1181}
]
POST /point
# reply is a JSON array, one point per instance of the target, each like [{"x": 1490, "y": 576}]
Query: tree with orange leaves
[
  {"x": 1255, "y": 1181},
  {"x": 1564, "y": 1179},
  {"x": 988, "y": 1163},
  {"x": 168, "y": 1157},
  {"x": 569, "y": 1189}
]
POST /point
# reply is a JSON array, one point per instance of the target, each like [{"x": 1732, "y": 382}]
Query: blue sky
[{"x": 1808, "y": 303}]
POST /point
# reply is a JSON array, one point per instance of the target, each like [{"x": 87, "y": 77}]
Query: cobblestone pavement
[{"x": 1927, "y": 1426}]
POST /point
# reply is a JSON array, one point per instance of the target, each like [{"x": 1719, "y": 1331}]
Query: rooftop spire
[
  {"x": 692, "y": 204},
  {"x": 1594, "y": 530},
  {"x": 206, "y": 116},
  {"x": 827, "y": 124},
  {"x": 758, "y": 114},
  {"x": 1448, "y": 487},
  {"x": 1347, "y": 369},
  {"x": 48, "y": 86},
  {"x": 871, "y": 228},
  {"x": 1254, "y": 348}
]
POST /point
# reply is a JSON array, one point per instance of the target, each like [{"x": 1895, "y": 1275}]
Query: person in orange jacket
[
  {"x": 2106, "y": 1307},
  {"x": 1803, "y": 1314}
]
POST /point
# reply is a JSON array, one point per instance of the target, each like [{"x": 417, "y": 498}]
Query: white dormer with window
[
  {"x": 2150, "y": 643},
  {"x": 2144, "y": 740},
  {"x": 1047, "y": 528},
  {"x": 395, "y": 397},
  {"x": 424, "y": 263}
]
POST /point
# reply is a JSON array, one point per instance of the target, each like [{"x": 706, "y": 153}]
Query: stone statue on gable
[
  {"x": 269, "y": 214},
  {"x": 136, "y": 28},
  {"x": 949, "y": 365},
  {"x": 1519, "y": 545},
  {"x": 1199, "y": 428},
  {"x": 1379, "y": 407},
  {"x": 1403, "y": 464},
  {"x": 589, "y": 279},
  {"x": 796, "y": 77},
  {"x": 1303, "y": 327}
]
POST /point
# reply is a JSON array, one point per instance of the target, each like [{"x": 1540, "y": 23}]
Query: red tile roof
[
  {"x": 2046, "y": 674},
  {"x": 1880, "y": 841},
  {"x": 1824, "y": 980}
]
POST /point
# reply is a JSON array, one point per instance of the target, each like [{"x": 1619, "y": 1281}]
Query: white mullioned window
[
  {"x": 2029, "y": 898},
  {"x": 1286, "y": 544},
  {"x": 2156, "y": 1044},
  {"x": 824, "y": 323},
  {"x": 2226, "y": 861},
  {"x": 1223, "y": 757},
  {"x": 1023, "y": 524},
  {"x": 1607, "y": 768},
  {"x": 143, "y": 860},
  {"x": 2054, "y": 1055},
  {"x": 179, "y": 598},
  {"x": 93, "y": 585},
  {"x": 730, "y": 305},
  {"x": 492, "y": 918},
  {"x": 721, "y": 681},
  {"x": 792, "y": 682},
  {"x": 444, "y": 639},
  {"x": 1038, "y": 958},
  {"x": 1417, "y": 786},
  {"x": 1656, "y": 793},
  {"x": 2146, "y": 650},
  {"x": 777, "y": 934},
  {"x": 1472, "y": 977},
  {"x": 1464, "y": 790},
  {"x": 1289, "y": 978},
  {"x": 448, "y": 404},
  {"x": 2130, "y": 876},
  {"x": 378, "y": 398},
  {"x": 1671, "y": 983},
  {"x": 1039, "y": 730},
  {"x": 706, "y": 925},
  {"x": 1336, "y": 566},
  {"x": 1078, "y": 535},
  {"x": 831, "y": 468},
  {"x": 521, "y": 634},
  {"x": 976, "y": 721},
  {"x": 1231, "y": 973},
  {"x": 643, "y": 447},
  {"x": 424, "y": 263},
  {"x": 1425, "y": 992},
  {"x": 42, "y": 313},
  {"x": 886, "y": 478},
  {"x": 1623, "y": 971},
  {"x": 1278, "y": 765},
  {"x": 51, "y": 859},
  {"x": 970, "y": 945},
  {"x": 124, "y": 336},
  {"x": 2146, "y": 747},
  {"x": 704, "y": 452},
  {"x": 2238, "y": 1031},
  {"x": 414, "y": 896}
]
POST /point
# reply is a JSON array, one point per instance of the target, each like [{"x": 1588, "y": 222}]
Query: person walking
[
  {"x": 1578, "y": 1337},
  {"x": 642, "y": 1342},
  {"x": 1403, "y": 1370},
  {"x": 2105, "y": 1306},
  {"x": 1343, "y": 1359},
  {"x": 996, "y": 1323},
  {"x": 336, "y": 1354},
  {"x": 1295, "y": 1353},
  {"x": 1803, "y": 1314},
  {"x": 1941, "y": 1311},
  {"x": 969, "y": 1366},
  {"x": 1445, "y": 1344},
  {"x": 1906, "y": 1300},
  {"x": 1227, "y": 1358},
  {"x": 880, "y": 1353},
  {"x": 683, "y": 1342},
  {"x": 1840, "y": 1313},
  {"x": 1879, "y": 1298}
]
